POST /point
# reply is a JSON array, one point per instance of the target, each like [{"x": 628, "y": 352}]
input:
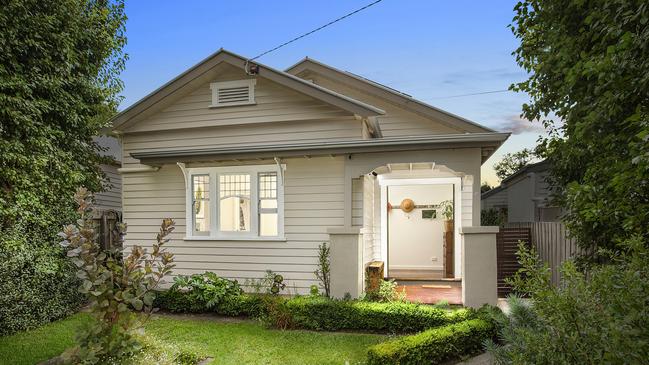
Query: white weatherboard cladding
[
  {"x": 272, "y": 103},
  {"x": 313, "y": 202}
]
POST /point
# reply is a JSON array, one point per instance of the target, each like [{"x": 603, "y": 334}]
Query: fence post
[{"x": 479, "y": 266}]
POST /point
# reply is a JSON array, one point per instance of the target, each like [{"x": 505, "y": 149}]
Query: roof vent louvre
[{"x": 231, "y": 93}]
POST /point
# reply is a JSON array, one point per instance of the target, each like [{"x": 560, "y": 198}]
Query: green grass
[
  {"x": 32, "y": 347},
  {"x": 228, "y": 343}
]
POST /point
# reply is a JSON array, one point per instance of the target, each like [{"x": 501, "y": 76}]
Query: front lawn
[
  {"x": 246, "y": 342},
  {"x": 31, "y": 347}
]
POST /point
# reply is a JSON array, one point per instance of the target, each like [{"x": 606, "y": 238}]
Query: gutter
[
  {"x": 128, "y": 170},
  {"x": 326, "y": 148}
]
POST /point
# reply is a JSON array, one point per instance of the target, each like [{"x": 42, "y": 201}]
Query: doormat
[{"x": 436, "y": 286}]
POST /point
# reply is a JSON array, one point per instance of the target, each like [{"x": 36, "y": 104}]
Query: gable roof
[
  {"x": 491, "y": 192},
  {"x": 130, "y": 114},
  {"x": 388, "y": 93},
  {"x": 533, "y": 167},
  {"x": 509, "y": 180}
]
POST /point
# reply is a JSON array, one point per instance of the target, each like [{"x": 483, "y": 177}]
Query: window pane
[
  {"x": 234, "y": 208},
  {"x": 268, "y": 204},
  {"x": 268, "y": 224},
  {"x": 201, "y": 202},
  {"x": 268, "y": 185}
]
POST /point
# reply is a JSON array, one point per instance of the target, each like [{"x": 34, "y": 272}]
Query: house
[
  {"x": 524, "y": 196},
  {"x": 111, "y": 198},
  {"x": 260, "y": 166}
]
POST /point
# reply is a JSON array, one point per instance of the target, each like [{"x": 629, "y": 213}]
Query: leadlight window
[
  {"x": 201, "y": 203},
  {"x": 235, "y": 203}
]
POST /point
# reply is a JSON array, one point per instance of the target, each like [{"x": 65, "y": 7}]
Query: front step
[{"x": 421, "y": 279}]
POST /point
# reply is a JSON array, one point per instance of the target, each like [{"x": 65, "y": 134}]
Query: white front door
[
  {"x": 415, "y": 238},
  {"x": 409, "y": 240}
]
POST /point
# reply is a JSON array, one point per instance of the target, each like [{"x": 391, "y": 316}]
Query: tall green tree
[
  {"x": 589, "y": 84},
  {"x": 59, "y": 67},
  {"x": 512, "y": 162}
]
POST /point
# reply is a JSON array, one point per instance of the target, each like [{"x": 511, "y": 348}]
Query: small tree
[
  {"x": 117, "y": 289},
  {"x": 512, "y": 162},
  {"x": 323, "y": 273},
  {"x": 485, "y": 187}
]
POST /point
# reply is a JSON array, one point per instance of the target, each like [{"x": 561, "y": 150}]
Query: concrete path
[{"x": 484, "y": 359}]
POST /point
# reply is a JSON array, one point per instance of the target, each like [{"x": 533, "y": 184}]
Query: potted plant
[{"x": 447, "y": 212}]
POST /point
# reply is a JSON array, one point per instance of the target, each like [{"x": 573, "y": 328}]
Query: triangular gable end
[
  {"x": 310, "y": 66},
  {"x": 203, "y": 72}
]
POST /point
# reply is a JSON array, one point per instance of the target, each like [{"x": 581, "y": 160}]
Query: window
[
  {"x": 268, "y": 204},
  {"x": 233, "y": 93},
  {"x": 237, "y": 202},
  {"x": 201, "y": 203},
  {"x": 234, "y": 202}
]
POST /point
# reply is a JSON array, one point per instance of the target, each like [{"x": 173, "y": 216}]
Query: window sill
[{"x": 249, "y": 239}]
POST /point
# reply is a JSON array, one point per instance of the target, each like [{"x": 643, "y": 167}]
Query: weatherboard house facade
[{"x": 259, "y": 166}]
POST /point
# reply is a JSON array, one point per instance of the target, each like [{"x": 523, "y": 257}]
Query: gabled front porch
[{"x": 414, "y": 219}]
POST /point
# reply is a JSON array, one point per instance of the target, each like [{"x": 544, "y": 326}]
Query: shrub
[
  {"x": 236, "y": 305},
  {"x": 333, "y": 315},
  {"x": 36, "y": 287},
  {"x": 387, "y": 292},
  {"x": 436, "y": 345},
  {"x": 117, "y": 289},
  {"x": 272, "y": 283},
  {"x": 207, "y": 289},
  {"x": 600, "y": 316},
  {"x": 493, "y": 217},
  {"x": 323, "y": 273}
]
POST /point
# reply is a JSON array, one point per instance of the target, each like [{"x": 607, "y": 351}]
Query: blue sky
[{"x": 430, "y": 49}]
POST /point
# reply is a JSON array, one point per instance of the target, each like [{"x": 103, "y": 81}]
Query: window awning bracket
[{"x": 278, "y": 161}]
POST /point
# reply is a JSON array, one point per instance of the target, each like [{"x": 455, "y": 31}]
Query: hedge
[
  {"x": 322, "y": 314},
  {"x": 37, "y": 286},
  {"x": 247, "y": 305},
  {"x": 436, "y": 345},
  {"x": 393, "y": 317}
]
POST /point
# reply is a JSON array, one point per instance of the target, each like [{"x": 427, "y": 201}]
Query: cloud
[{"x": 518, "y": 125}]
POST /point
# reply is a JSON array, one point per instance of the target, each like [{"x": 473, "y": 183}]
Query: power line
[
  {"x": 480, "y": 93},
  {"x": 317, "y": 29}
]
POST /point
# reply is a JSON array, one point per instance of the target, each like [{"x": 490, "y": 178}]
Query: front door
[{"x": 416, "y": 230}]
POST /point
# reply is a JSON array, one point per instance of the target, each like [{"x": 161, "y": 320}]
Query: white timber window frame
[
  {"x": 233, "y": 93},
  {"x": 219, "y": 177}
]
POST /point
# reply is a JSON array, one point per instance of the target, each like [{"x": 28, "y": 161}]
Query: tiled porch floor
[{"x": 431, "y": 292}]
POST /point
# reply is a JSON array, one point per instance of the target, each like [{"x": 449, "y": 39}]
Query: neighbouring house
[
  {"x": 260, "y": 166},
  {"x": 524, "y": 196},
  {"x": 111, "y": 197}
]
